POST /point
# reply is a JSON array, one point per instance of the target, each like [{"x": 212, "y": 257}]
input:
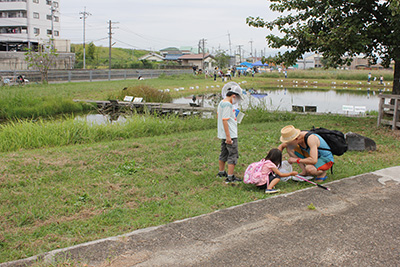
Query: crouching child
[{"x": 265, "y": 174}]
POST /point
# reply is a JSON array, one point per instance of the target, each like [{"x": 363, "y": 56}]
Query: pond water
[
  {"x": 325, "y": 101},
  {"x": 331, "y": 101}
]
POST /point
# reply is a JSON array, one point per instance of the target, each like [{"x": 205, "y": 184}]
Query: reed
[
  {"x": 30, "y": 134},
  {"x": 148, "y": 93},
  {"x": 332, "y": 74}
]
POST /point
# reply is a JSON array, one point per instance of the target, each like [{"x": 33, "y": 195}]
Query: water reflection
[{"x": 326, "y": 101}]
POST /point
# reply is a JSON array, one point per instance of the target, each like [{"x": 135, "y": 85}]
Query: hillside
[{"x": 97, "y": 57}]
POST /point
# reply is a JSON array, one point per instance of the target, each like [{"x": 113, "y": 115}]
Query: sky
[{"x": 157, "y": 24}]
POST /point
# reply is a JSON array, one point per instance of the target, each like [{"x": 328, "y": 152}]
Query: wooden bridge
[
  {"x": 162, "y": 108},
  {"x": 389, "y": 111}
]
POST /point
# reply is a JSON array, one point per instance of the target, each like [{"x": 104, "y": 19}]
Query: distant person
[
  {"x": 285, "y": 72},
  {"x": 270, "y": 175},
  {"x": 215, "y": 73},
  {"x": 369, "y": 77},
  {"x": 312, "y": 157},
  {"x": 381, "y": 79},
  {"x": 228, "y": 134},
  {"x": 228, "y": 74},
  {"x": 233, "y": 71},
  {"x": 20, "y": 79}
]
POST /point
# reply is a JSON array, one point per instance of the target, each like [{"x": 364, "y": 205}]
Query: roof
[
  {"x": 169, "y": 49},
  {"x": 195, "y": 56},
  {"x": 151, "y": 55},
  {"x": 172, "y": 56}
]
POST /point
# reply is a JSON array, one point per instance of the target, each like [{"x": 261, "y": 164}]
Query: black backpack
[{"x": 335, "y": 140}]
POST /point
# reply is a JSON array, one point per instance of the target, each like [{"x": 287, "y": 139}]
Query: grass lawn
[{"x": 59, "y": 196}]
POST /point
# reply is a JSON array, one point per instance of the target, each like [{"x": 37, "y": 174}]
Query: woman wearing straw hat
[{"x": 312, "y": 157}]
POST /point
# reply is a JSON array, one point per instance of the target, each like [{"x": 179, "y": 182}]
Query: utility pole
[
  {"x": 52, "y": 8},
  {"x": 240, "y": 52},
  {"x": 84, "y": 16},
  {"x": 110, "y": 44},
  {"x": 202, "y": 46},
  {"x": 251, "y": 50},
  {"x": 230, "y": 44}
]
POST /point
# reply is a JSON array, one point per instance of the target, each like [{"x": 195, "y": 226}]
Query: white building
[
  {"x": 309, "y": 62},
  {"x": 27, "y": 23}
]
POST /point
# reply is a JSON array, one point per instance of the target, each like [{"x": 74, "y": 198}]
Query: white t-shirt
[{"x": 225, "y": 112}]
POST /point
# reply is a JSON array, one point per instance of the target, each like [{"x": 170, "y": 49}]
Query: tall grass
[
  {"x": 27, "y": 104},
  {"x": 332, "y": 74},
  {"x": 30, "y": 134},
  {"x": 148, "y": 93}
]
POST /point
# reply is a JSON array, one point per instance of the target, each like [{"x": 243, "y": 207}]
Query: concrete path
[{"x": 357, "y": 223}]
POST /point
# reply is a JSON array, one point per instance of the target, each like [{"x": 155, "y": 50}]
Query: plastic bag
[{"x": 285, "y": 168}]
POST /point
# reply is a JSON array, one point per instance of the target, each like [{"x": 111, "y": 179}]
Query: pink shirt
[{"x": 266, "y": 170}]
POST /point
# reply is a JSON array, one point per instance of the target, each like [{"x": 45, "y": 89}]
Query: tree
[
  {"x": 222, "y": 59},
  {"x": 42, "y": 61},
  {"x": 338, "y": 29},
  {"x": 91, "y": 50}
]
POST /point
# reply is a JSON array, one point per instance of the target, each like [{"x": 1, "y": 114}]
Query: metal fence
[{"x": 94, "y": 75}]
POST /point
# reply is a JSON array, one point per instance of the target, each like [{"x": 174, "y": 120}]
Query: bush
[{"x": 148, "y": 93}]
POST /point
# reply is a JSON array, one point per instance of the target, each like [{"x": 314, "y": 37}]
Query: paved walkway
[{"x": 357, "y": 223}]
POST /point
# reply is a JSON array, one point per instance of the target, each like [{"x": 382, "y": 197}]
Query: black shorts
[{"x": 272, "y": 176}]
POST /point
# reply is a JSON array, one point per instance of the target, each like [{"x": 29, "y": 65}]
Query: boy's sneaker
[
  {"x": 271, "y": 191},
  {"x": 222, "y": 174},
  {"x": 232, "y": 179}
]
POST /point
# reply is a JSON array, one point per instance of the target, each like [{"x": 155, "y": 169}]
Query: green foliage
[
  {"x": 91, "y": 51},
  {"x": 336, "y": 29},
  {"x": 20, "y": 104},
  {"x": 222, "y": 59},
  {"x": 31, "y": 134},
  {"x": 97, "y": 57},
  {"x": 311, "y": 207},
  {"x": 148, "y": 93},
  {"x": 330, "y": 74}
]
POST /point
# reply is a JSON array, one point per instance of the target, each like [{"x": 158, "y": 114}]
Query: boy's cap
[{"x": 235, "y": 88}]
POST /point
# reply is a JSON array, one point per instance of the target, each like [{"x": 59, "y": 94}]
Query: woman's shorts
[{"x": 323, "y": 163}]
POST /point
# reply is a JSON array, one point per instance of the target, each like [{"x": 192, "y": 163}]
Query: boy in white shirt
[{"x": 227, "y": 132}]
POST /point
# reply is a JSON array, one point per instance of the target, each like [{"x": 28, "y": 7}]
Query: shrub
[{"x": 148, "y": 93}]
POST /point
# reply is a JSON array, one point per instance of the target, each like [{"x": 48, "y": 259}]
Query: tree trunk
[{"x": 396, "y": 79}]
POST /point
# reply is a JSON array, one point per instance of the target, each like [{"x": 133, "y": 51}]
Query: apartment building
[{"x": 28, "y": 23}]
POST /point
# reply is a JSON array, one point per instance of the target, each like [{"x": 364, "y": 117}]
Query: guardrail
[{"x": 95, "y": 75}]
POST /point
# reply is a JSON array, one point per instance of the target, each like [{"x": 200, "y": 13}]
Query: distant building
[
  {"x": 187, "y": 50},
  {"x": 30, "y": 24},
  {"x": 206, "y": 63},
  {"x": 26, "y": 23},
  {"x": 153, "y": 57},
  {"x": 310, "y": 62},
  {"x": 171, "y": 53}
]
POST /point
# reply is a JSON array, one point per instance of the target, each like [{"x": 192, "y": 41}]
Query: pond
[
  {"x": 331, "y": 101},
  {"x": 325, "y": 101}
]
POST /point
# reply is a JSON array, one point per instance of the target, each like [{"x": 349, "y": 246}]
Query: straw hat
[{"x": 289, "y": 133}]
